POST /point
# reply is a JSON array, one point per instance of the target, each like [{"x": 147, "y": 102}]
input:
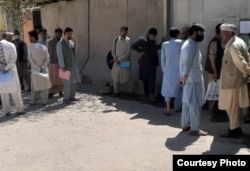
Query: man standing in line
[
  {"x": 148, "y": 62},
  {"x": 67, "y": 62},
  {"x": 43, "y": 36},
  {"x": 39, "y": 59},
  {"x": 121, "y": 49},
  {"x": 22, "y": 60},
  {"x": 192, "y": 81},
  {"x": 8, "y": 70},
  {"x": 170, "y": 59},
  {"x": 234, "y": 95},
  {"x": 53, "y": 66},
  {"x": 214, "y": 62}
]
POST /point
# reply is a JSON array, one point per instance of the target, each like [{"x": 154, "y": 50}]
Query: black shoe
[
  {"x": 60, "y": 94},
  {"x": 33, "y": 104},
  {"x": 116, "y": 94},
  {"x": 234, "y": 133},
  {"x": 7, "y": 114},
  {"x": 51, "y": 95},
  {"x": 167, "y": 113},
  {"x": 20, "y": 113},
  {"x": 74, "y": 99},
  {"x": 66, "y": 101}
]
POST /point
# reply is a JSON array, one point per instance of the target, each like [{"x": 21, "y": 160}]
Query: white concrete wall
[
  {"x": 106, "y": 18},
  {"x": 209, "y": 13}
]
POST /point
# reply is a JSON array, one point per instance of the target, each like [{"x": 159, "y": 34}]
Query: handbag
[
  {"x": 40, "y": 74},
  {"x": 213, "y": 90}
]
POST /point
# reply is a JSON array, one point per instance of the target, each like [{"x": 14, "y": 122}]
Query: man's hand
[
  {"x": 63, "y": 69},
  {"x": 117, "y": 60},
  {"x": 183, "y": 81},
  {"x": 215, "y": 76},
  {"x": 5, "y": 71}
]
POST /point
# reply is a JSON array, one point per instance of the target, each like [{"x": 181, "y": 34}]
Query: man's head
[
  {"x": 217, "y": 29},
  {"x": 152, "y": 33},
  {"x": 123, "y": 31},
  {"x": 197, "y": 32},
  {"x": 7, "y": 36},
  {"x": 174, "y": 32},
  {"x": 33, "y": 36},
  {"x": 16, "y": 34},
  {"x": 58, "y": 33},
  {"x": 38, "y": 27},
  {"x": 227, "y": 32},
  {"x": 68, "y": 33},
  {"x": 43, "y": 33},
  {"x": 184, "y": 33}
]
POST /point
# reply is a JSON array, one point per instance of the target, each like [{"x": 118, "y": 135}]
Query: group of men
[
  {"x": 182, "y": 67},
  {"x": 227, "y": 60},
  {"x": 48, "y": 60}
]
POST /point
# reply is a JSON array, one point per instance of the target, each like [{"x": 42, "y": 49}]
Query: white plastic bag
[{"x": 213, "y": 89}]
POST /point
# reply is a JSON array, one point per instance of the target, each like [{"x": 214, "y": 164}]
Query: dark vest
[
  {"x": 218, "y": 59},
  {"x": 68, "y": 53},
  {"x": 20, "y": 50}
]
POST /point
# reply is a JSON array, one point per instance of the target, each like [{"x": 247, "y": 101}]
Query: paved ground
[{"x": 102, "y": 133}]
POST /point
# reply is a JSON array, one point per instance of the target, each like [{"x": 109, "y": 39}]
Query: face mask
[
  {"x": 16, "y": 37},
  {"x": 199, "y": 38}
]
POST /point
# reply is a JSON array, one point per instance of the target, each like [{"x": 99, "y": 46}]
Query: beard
[{"x": 199, "y": 38}]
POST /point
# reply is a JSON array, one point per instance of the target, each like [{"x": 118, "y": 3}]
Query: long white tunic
[
  {"x": 170, "y": 58},
  {"x": 39, "y": 59},
  {"x": 122, "y": 50},
  {"x": 10, "y": 55}
]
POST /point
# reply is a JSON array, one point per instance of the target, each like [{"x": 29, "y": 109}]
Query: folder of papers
[
  {"x": 124, "y": 64},
  {"x": 65, "y": 75}
]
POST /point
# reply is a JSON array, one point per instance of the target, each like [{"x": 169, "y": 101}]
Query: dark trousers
[{"x": 149, "y": 87}]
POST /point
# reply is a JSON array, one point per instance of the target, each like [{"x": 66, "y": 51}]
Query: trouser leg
[
  {"x": 178, "y": 100},
  {"x": 195, "y": 110},
  {"x": 66, "y": 89},
  {"x": 116, "y": 87},
  {"x": 146, "y": 87},
  {"x": 73, "y": 90},
  {"x": 17, "y": 98},
  {"x": 152, "y": 87},
  {"x": 33, "y": 96},
  {"x": 51, "y": 90},
  {"x": 60, "y": 88},
  {"x": 185, "y": 115},
  {"x": 235, "y": 114},
  {"x": 44, "y": 96},
  {"x": 28, "y": 80},
  {"x": 5, "y": 97}
]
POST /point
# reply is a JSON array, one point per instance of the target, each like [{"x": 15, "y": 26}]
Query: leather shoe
[
  {"x": 234, "y": 133},
  {"x": 20, "y": 113},
  {"x": 186, "y": 128},
  {"x": 74, "y": 99},
  {"x": 7, "y": 114},
  {"x": 198, "y": 133}
]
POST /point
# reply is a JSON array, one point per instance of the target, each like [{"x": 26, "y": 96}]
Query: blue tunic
[
  {"x": 170, "y": 59},
  {"x": 191, "y": 69}
]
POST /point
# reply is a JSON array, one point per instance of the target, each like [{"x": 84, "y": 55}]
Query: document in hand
[
  {"x": 65, "y": 75},
  {"x": 40, "y": 74},
  {"x": 5, "y": 77},
  {"x": 124, "y": 64}
]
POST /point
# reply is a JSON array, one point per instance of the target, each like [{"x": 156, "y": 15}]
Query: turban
[{"x": 228, "y": 27}]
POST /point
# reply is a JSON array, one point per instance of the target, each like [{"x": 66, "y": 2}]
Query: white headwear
[{"x": 228, "y": 27}]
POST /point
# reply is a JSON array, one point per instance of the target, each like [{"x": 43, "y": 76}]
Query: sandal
[{"x": 198, "y": 133}]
